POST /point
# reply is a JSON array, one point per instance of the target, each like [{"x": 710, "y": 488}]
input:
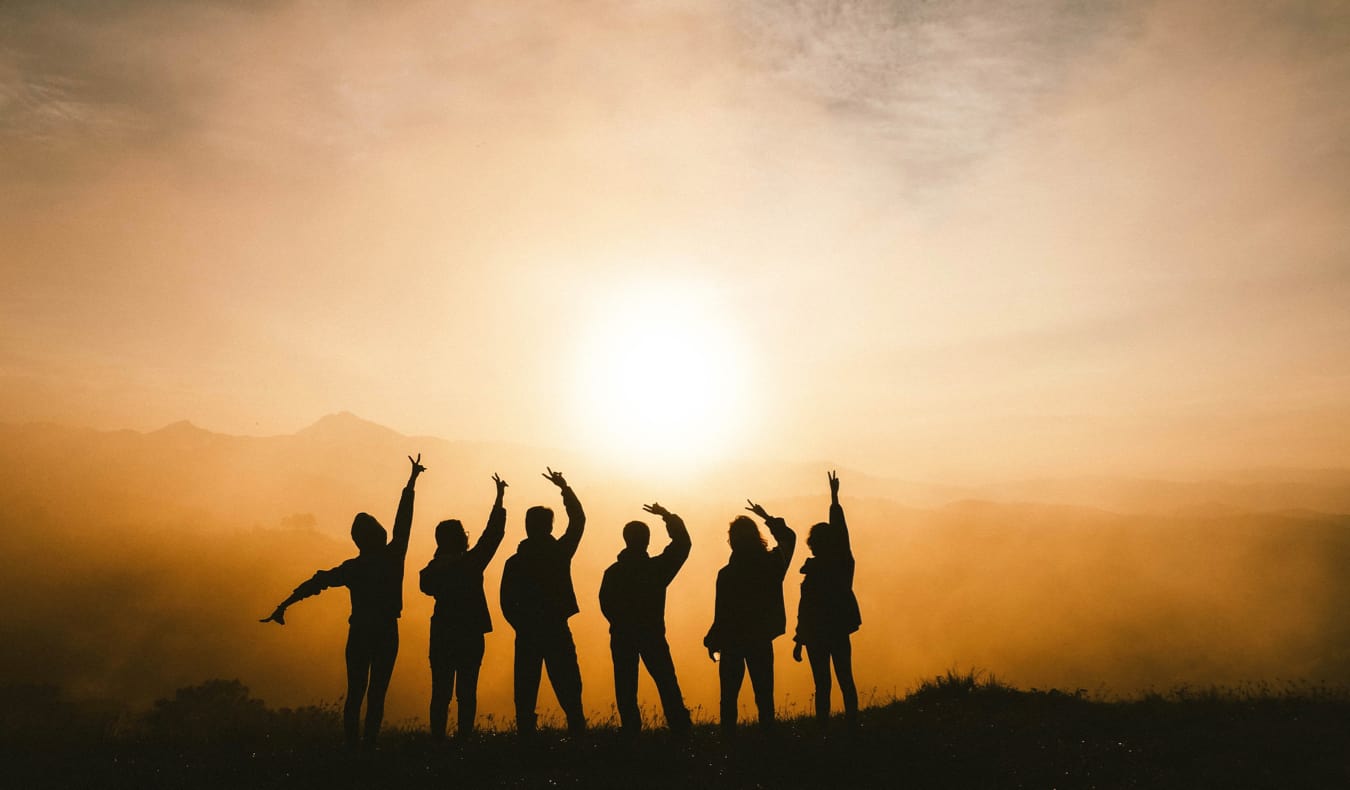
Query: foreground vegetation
[{"x": 960, "y": 730}]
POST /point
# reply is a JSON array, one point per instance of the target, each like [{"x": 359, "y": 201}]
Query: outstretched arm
[
  {"x": 674, "y": 555},
  {"x": 837, "y": 516},
  {"x": 320, "y": 581},
  {"x": 403, "y": 521},
  {"x": 483, "y": 551},
  {"x": 576, "y": 517}
]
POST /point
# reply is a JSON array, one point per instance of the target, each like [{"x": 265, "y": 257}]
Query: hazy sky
[{"x": 936, "y": 239}]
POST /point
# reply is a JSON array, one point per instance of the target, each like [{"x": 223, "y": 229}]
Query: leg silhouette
[
  {"x": 656, "y": 657},
  {"x": 358, "y": 675},
  {"x": 625, "y": 655},
  {"x": 470, "y": 660},
  {"x": 381, "y": 670},
  {"x": 731, "y": 672},
  {"x": 528, "y": 664},
  {"x": 843, "y": 668},
  {"x": 565, "y": 675},
  {"x": 819, "y": 656},
  {"x": 760, "y": 662}
]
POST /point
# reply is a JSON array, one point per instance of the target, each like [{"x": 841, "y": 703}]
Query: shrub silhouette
[{"x": 213, "y": 712}]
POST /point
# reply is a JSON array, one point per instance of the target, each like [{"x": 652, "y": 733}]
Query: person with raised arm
[
  {"x": 375, "y": 580},
  {"x": 827, "y": 612},
  {"x": 749, "y": 613},
  {"x": 633, "y": 599},
  {"x": 454, "y": 577},
  {"x": 537, "y": 599}
]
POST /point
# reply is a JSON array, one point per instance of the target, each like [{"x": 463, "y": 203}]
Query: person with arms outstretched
[
  {"x": 828, "y": 610},
  {"x": 633, "y": 599},
  {"x": 537, "y": 599},
  {"x": 749, "y": 613},
  {"x": 454, "y": 577},
  {"x": 375, "y": 580}
]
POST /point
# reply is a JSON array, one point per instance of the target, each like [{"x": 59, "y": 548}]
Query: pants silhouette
[
  {"x": 655, "y": 654},
  {"x": 548, "y": 648},
  {"x": 839, "y": 650},
  {"x": 455, "y": 661},
  {"x": 731, "y": 669},
  {"x": 371, "y": 650}
]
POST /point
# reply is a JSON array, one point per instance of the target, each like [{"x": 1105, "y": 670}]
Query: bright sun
[{"x": 662, "y": 378}]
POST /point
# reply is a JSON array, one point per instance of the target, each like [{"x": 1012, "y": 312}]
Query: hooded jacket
[{"x": 375, "y": 577}]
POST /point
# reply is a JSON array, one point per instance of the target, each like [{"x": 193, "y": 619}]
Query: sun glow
[{"x": 662, "y": 378}]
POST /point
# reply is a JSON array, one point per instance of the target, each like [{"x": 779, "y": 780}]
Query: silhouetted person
[
  {"x": 633, "y": 599},
  {"x": 749, "y": 612},
  {"x": 454, "y": 577},
  {"x": 375, "y": 580},
  {"x": 828, "y": 611},
  {"x": 537, "y": 600}
]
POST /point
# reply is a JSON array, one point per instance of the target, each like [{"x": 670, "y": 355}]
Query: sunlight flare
[{"x": 662, "y": 377}]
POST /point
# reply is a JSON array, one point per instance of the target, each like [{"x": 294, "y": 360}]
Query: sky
[{"x": 957, "y": 240}]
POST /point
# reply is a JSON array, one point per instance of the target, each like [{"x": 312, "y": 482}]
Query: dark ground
[{"x": 955, "y": 732}]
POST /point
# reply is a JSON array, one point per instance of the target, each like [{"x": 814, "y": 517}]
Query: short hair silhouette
[
  {"x": 636, "y": 535},
  {"x": 538, "y": 521},
  {"x": 743, "y": 535},
  {"x": 819, "y": 540},
  {"x": 367, "y": 533},
  {"x": 450, "y": 535}
]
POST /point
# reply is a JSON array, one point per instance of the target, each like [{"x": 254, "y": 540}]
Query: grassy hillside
[{"x": 956, "y": 731}]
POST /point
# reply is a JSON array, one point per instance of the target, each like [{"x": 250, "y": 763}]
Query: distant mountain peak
[
  {"x": 344, "y": 425},
  {"x": 181, "y": 428}
]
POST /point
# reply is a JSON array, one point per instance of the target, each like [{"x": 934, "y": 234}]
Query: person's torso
[
  {"x": 375, "y": 583},
  {"x": 636, "y": 587},
  {"x": 540, "y": 582},
  {"x": 460, "y": 601}
]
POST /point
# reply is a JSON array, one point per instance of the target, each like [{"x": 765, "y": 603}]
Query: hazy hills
[{"x": 136, "y": 563}]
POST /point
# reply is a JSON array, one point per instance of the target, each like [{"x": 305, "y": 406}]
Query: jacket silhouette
[
  {"x": 633, "y": 599},
  {"x": 827, "y": 612},
  {"x": 374, "y": 579},
  {"x": 749, "y": 613},
  {"x": 537, "y": 598},
  {"x": 454, "y": 577}
]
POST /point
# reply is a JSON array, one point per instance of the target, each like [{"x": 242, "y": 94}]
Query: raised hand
[
  {"x": 656, "y": 510},
  {"x": 834, "y": 484},
  {"x": 758, "y": 510},
  {"x": 277, "y": 616},
  {"x": 501, "y": 484},
  {"x": 417, "y": 468},
  {"x": 712, "y": 653},
  {"x": 556, "y": 478}
]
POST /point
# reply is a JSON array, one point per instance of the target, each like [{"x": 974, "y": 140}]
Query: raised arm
[
  {"x": 483, "y": 551},
  {"x": 576, "y": 517},
  {"x": 403, "y": 521},
  {"x": 677, "y": 551},
  {"x": 837, "y": 516},
  {"x": 782, "y": 534},
  {"x": 320, "y": 581}
]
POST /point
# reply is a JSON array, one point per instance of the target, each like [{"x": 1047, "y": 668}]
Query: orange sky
[{"x": 950, "y": 240}]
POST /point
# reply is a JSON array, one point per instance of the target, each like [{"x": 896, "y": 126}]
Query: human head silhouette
[
  {"x": 819, "y": 540},
  {"x": 367, "y": 533},
  {"x": 450, "y": 535},
  {"x": 636, "y": 535},
  {"x": 538, "y": 522},
  {"x": 743, "y": 535}
]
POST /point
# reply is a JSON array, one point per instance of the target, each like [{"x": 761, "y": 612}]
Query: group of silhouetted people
[{"x": 537, "y": 599}]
